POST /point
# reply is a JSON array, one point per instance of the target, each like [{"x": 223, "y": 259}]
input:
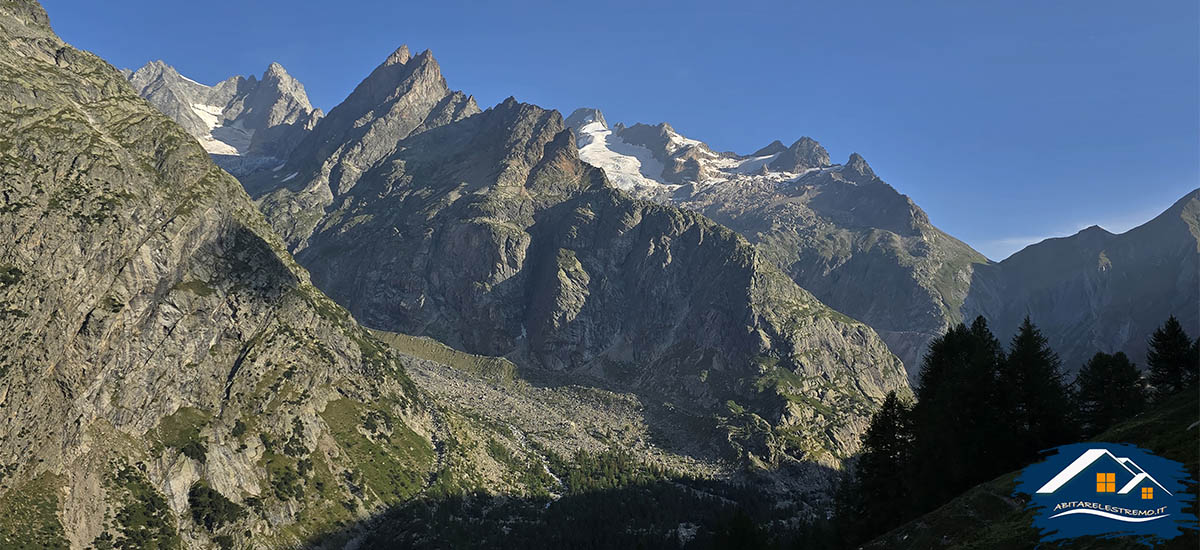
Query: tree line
[{"x": 982, "y": 410}]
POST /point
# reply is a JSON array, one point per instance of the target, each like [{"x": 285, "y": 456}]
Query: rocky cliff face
[
  {"x": 168, "y": 374},
  {"x": 238, "y": 117},
  {"x": 837, "y": 230},
  {"x": 1096, "y": 291},
  {"x": 855, "y": 243},
  {"x": 490, "y": 234}
]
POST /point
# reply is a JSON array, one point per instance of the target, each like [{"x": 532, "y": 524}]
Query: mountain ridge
[
  {"x": 838, "y": 229},
  {"x": 506, "y": 192},
  {"x": 246, "y": 123}
]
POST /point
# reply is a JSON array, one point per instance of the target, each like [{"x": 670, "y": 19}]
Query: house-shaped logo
[
  {"x": 1113, "y": 476},
  {"x": 1107, "y": 490}
]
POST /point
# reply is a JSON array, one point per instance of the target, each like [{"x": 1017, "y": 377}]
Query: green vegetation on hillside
[
  {"x": 29, "y": 515},
  {"x": 495, "y": 369},
  {"x": 385, "y": 456},
  {"x": 181, "y": 431}
]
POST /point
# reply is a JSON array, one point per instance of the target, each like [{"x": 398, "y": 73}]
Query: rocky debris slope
[
  {"x": 1096, "y": 291},
  {"x": 168, "y": 374},
  {"x": 837, "y": 230},
  {"x": 490, "y": 234},
  {"x": 238, "y": 117}
]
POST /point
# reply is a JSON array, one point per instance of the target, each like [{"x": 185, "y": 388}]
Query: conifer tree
[
  {"x": 958, "y": 420},
  {"x": 1109, "y": 389},
  {"x": 1034, "y": 396},
  {"x": 882, "y": 490},
  {"x": 1171, "y": 359}
]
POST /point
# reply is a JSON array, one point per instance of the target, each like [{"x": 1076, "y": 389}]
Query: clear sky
[{"x": 1006, "y": 121}]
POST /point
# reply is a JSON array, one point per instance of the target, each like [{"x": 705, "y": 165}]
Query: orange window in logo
[
  {"x": 1147, "y": 493},
  {"x": 1106, "y": 483}
]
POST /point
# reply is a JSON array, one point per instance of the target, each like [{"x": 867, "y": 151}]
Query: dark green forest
[{"x": 982, "y": 410}]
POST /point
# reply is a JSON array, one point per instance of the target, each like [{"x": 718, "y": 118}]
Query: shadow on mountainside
[
  {"x": 648, "y": 513},
  {"x": 1095, "y": 290}
]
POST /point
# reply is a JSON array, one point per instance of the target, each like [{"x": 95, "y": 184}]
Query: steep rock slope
[
  {"x": 238, "y": 117},
  {"x": 860, "y": 246},
  {"x": 403, "y": 96},
  {"x": 1096, "y": 291},
  {"x": 168, "y": 375},
  {"x": 854, "y": 242},
  {"x": 489, "y": 234},
  {"x": 837, "y": 230}
]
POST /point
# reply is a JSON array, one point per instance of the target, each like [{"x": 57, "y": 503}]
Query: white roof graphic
[{"x": 1092, "y": 455}]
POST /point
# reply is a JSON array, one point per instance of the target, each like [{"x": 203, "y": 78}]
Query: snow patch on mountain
[
  {"x": 222, "y": 139},
  {"x": 629, "y": 167}
]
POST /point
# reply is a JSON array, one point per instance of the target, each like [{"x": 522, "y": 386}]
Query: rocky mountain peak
[
  {"x": 857, "y": 169},
  {"x": 585, "y": 115},
  {"x": 239, "y": 116},
  {"x": 402, "y": 97},
  {"x": 281, "y": 84},
  {"x": 805, "y": 153},
  {"x": 275, "y": 71},
  {"x": 398, "y": 57},
  {"x": 771, "y": 149},
  {"x": 399, "y": 75}
]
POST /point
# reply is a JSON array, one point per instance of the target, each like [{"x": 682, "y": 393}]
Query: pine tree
[
  {"x": 1035, "y": 396},
  {"x": 883, "y": 492},
  {"x": 958, "y": 420},
  {"x": 1109, "y": 389},
  {"x": 1171, "y": 359}
]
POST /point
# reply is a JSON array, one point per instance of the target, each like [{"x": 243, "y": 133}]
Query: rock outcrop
[{"x": 804, "y": 154}]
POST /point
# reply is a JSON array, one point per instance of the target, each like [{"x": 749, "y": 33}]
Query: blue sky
[{"x": 1008, "y": 122}]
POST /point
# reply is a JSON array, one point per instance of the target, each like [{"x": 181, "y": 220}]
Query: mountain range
[
  {"x": 835, "y": 229},
  {"x": 233, "y": 321},
  {"x": 866, "y": 250}
]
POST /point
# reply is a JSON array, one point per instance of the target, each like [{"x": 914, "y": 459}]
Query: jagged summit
[
  {"x": 239, "y": 116},
  {"x": 774, "y": 148},
  {"x": 857, "y": 169},
  {"x": 802, "y": 155},
  {"x": 400, "y": 56},
  {"x": 404, "y": 96},
  {"x": 275, "y": 71},
  {"x": 583, "y": 116},
  {"x": 652, "y": 161}
]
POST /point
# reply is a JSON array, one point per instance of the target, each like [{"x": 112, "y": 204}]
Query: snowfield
[{"x": 629, "y": 167}]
